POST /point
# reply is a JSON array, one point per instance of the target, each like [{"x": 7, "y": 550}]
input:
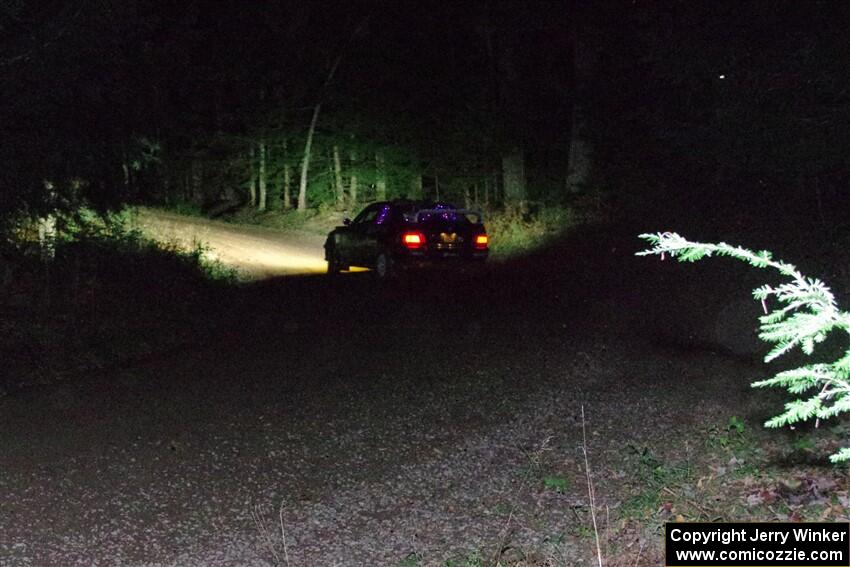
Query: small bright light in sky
[{"x": 721, "y": 76}]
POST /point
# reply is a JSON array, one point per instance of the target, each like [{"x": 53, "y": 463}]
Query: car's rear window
[
  {"x": 428, "y": 217},
  {"x": 438, "y": 213}
]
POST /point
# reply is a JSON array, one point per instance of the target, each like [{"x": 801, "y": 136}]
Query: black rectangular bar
[{"x": 746, "y": 544}]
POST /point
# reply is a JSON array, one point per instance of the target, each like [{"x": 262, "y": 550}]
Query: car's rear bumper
[{"x": 436, "y": 259}]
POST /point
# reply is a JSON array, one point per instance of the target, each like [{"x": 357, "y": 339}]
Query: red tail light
[
  {"x": 413, "y": 240},
  {"x": 482, "y": 241}
]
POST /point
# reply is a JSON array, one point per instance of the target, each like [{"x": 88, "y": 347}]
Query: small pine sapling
[{"x": 803, "y": 313}]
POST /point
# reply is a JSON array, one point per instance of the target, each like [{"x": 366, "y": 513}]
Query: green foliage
[
  {"x": 412, "y": 560},
  {"x": 108, "y": 248},
  {"x": 184, "y": 207},
  {"x": 803, "y": 315},
  {"x": 209, "y": 267},
  {"x": 736, "y": 425},
  {"x": 559, "y": 484},
  {"x": 514, "y": 231},
  {"x": 654, "y": 476},
  {"x": 473, "y": 559},
  {"x": 106, "y": 295},
  {"x": 732, "y": 437},
  {"x": 803, "y": 444}
]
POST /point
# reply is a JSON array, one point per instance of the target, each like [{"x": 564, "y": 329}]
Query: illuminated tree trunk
[
  {"x": 352, "y": 186},
  {"x": 338, "y": 188},
  {"x": 579, "y": 166},
  {"x": 513, "y": 176},
  {"x": 47, "y": 225},
  {"x": 381, "y": 183},
  {"x": 305, "y": 161},
  {"x": 273, "y": 189},
  {"x": 261, "y": 182},
  {"x": 197, "y": 181},
  {"x": 578, "y": 172},
  {"x": 126, "y": 169},
  {"x": 509, "y": 102},
  {"x": 287, "y": 178},
  {"x": 416, "y": 187},
  {"x": 47, "y": 242},
  {"x": 252, "y": 178}
]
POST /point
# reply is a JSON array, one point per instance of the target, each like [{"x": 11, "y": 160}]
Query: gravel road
[
  {"x": 406, "y": 424},
  {"x": 256, "y": 252}
]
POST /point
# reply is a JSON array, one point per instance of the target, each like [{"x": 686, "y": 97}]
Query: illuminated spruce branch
[{"x": 803, "y": 313}]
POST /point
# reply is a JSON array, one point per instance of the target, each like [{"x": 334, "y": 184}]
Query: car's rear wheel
[
  {"x": 334, "y": 265},
  {"x": 384, "y": 266}
]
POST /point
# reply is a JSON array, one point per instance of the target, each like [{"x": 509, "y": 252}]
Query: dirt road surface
[
  {"x": 255, "y": 252},
  {"x": 341, "y": 421}
]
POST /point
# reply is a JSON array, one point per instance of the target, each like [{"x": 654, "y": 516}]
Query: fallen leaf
[
  {"x": 755, "y": 499},
  {"x": 824, "y": 483},
  {"x": 767, "y": 496}
]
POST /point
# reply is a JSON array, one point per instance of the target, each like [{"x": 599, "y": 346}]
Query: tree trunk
[
  {"x": 272, "y": 187},
  {"x": 381, "y": 183},
  {"x": 194, "y": 187},
  {"x": 287, "y": 178},
  {"x": 47, "y": 225},
  {"x": 126, "y": 169},
  {"x": 513, "y": 176},
  {"x": 352, "y": 186},
  {"x": 252, "y": 178},
  {"x": 261, "y": 184},
  {"x": 305, "y": 161},
  {"x": 416, "y": 187},
  {"x": 47, "y": 242},
  {"x": 331, "y": 173},
  {"x": 579, "y": 166},
  {"x": 578, "y": 171},
  {"x": 47, "y": 236},
  {"x": 340, "y": 192}
]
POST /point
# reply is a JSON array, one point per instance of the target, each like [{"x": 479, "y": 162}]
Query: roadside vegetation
[
  {"x": 800, "y": 313},
  {"x": 83, "y": 292},
  {"x": 730, "y": 471},
  {"x": 513, "y": 230}
]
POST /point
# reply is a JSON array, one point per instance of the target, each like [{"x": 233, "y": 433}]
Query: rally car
[{"x": 393, "y": 236}]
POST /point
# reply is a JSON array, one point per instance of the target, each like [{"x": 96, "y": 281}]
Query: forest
[{"x": 306, "y": 105}]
